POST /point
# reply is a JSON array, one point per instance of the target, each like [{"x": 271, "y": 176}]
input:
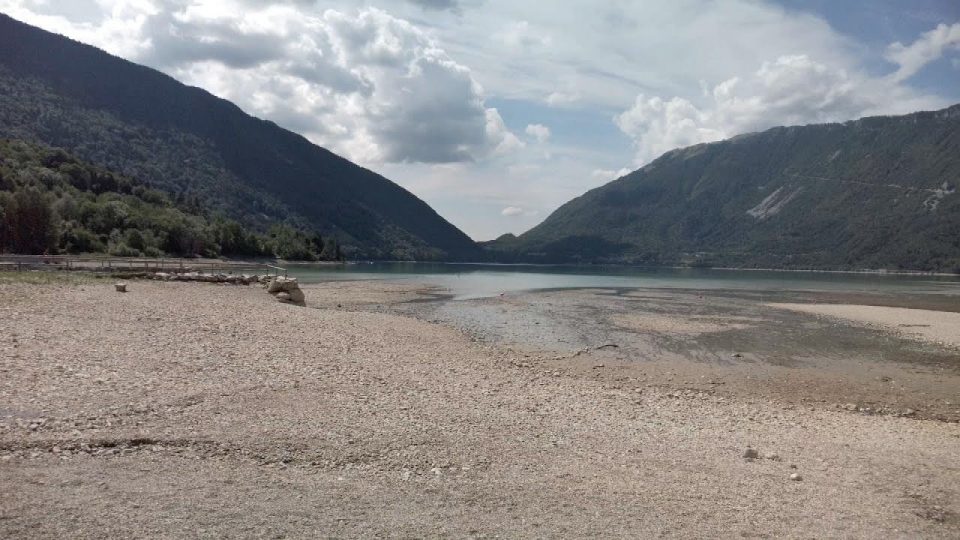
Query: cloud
[
  {"x": 511, "y": 211},
  {"x": 927, "y": 48},
  {"x": 507, "y": 142},
  {"x": 787, "y": 91},
  {"x": 606, "y": 175},
  {"x": 364, "y": 83},
  {"x": 522, "y": 35},
  {"x": 559, "y": 99},
  {"x": 439, "y": 5},
  {"x": 602, "y": 51},
  {"x": 539, "y": 132}
]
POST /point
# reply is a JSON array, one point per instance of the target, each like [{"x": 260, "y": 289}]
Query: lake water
[{"x": 466, "y": 281}]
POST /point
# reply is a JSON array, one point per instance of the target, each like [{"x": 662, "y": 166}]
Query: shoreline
[
  {"x": 676, "y": 267},
  {"x": 238, "y": 263}
]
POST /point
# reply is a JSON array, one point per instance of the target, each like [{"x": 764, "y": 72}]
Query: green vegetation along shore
[{"x": 52, "y": 202}]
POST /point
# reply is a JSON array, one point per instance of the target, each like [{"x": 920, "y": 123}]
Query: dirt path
[{"x": 198, "y": 410}]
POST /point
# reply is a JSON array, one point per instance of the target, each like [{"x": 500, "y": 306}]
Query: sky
[{"x": 496, "y": 112}]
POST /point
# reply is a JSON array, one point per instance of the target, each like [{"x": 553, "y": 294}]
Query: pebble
[
  {"x": 796, "y": 477},
  {"x": 751, "y": 453}
]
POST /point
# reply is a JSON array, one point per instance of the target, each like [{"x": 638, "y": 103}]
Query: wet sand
[
  {"x": 937, "y": 327},
  {"x": 182, "y": 410}
]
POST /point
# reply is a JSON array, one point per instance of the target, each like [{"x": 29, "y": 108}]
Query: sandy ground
[
  {"x": 729, "y": 343},
  {"x": 184, "y": 410},
  {"x": 939, "y": 327}
]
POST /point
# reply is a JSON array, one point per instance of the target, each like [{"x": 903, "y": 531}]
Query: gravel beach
[{"x": 199, "y": 410}]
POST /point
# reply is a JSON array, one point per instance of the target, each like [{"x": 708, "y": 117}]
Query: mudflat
[
  {"x": 940, "y": 327},
  {"x": 181, "y": 409}
]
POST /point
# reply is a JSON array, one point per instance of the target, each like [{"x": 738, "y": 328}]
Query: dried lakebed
[
  {"x": 735, "y": 342},
  {"x": 182, "y": 409}
]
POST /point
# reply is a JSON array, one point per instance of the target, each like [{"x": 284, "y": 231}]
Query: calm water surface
[{"x": 466, "y": 281}]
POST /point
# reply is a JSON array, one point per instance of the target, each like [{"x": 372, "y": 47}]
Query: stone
[
  {"x": 282, "y": 284},
  {"x": 283, "y": 297},
  {"x": 297, "y": 296},
  {"x": 751, "y": 453},
  {"x": 796, "y": 477},
  {"x": 120, "y": 287},
  {"x": 771, "y": 456}
]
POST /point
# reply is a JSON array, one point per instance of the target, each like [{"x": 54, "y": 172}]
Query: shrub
[{"x": 123, "y": 250}]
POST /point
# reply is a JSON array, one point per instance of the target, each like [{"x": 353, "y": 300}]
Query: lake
[{"x": 467, "y": 281}]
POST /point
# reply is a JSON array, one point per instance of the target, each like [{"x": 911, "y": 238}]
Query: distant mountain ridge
[
  {"x": 874, "y": 193},
  {"x": 181, "y": 139}
]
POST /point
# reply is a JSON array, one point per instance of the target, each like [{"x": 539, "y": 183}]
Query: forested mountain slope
[
  {"x": 191, "y": 144},
  {"x": 873, "y": 193},
  {"x": 52, "y": 203}
]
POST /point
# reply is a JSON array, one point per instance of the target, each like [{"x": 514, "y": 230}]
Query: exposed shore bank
[{"x": 183, "y": 409}]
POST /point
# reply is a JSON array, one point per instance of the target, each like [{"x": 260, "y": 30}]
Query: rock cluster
[
  {"x": 286, "y": 290},
  {"x": 233, "y": 279}
]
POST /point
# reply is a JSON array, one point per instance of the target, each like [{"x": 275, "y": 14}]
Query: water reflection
[{"x": 467, "y": 281}]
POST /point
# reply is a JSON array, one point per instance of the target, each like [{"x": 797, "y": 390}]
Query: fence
[{"x": 106, "y": 264}]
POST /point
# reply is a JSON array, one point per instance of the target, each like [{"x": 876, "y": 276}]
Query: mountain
[
  {"x": 182, "y": 140},
  {"x": 875, "y": 193}
]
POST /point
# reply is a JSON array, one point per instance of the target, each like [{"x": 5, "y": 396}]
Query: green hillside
[
  {"x": 192, "y": 145},
  {"x": 52, "y": 202},
  {"x": 876, "y": 193}
]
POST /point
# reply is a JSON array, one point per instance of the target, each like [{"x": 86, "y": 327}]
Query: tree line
[{"x": 53, "y": 203}]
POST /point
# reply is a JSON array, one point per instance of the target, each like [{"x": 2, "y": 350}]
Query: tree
[
  {"x": 291, "y": 244},
  {"x": 316, "y": 242},
  {"x": 29, "y": 223},
  {"x": 331, "y": 250}
]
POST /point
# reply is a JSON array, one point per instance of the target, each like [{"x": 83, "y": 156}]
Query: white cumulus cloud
[
  {"x": 511, "y": 211},
  {"x": 362, "y": 82},
  {"x": 539, "y": 132},
  {"x": 790, "y": 90},
  {"x": 928, "y": 47},
  {"x": 559, "y": 99}
]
